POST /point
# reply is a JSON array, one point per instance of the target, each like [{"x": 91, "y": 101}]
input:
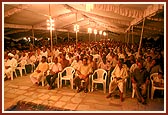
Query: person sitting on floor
[
  {"x": 40, "y": 71},
  {"x": 53, "y": 73},
  {"x": 83, "y": 74}
]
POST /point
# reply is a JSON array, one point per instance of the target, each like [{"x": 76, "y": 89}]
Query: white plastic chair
[
  {"x": 101, "y": 78},
  {"x": 154, "y": 87},
  {"x": 22, "y": 67},
  {"x": 70, "y": 72},
  {"x": 133, "y": 91},
  {"x": 33, "y": 67},
  {"x": 13, "y": 71}
]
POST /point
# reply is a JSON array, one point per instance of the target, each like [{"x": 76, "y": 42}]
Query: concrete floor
[{"x": 22, "y": 89}]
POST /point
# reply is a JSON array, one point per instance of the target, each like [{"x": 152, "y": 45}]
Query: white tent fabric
[{"x": 21, "y": 18}]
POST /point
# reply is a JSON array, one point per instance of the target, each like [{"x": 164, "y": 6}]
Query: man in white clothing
[
  {"x": 119, "y": 75},
  {"x": 76, "y": 63},
  {"x": 53, "y": 73},
  {"x": 83, "y": 74},
  {"x": 40, "y": 71},
  {"x": 10, "y": 66}
]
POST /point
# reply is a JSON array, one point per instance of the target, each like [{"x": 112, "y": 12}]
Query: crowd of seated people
[{"x": 95, "y": 55}]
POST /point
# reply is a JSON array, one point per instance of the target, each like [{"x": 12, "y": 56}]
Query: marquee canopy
[{"x": 21, "y": 18}]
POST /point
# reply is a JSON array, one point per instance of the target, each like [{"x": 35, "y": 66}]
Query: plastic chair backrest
[
  {"x": 69, "y": 70},
  {"x": 100, "y": 73}
]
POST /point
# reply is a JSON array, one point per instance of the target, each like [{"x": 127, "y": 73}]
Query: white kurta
[
  {"x": 118, "y": 73},
  {"x": 13, "y": 64},
  {"x": 35, "y": 76}
]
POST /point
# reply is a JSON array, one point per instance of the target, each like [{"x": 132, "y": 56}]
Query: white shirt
[
  {"x": 56, "y": 67},
  {"x": 117, "y": 72},
  {"x": 44, "y": 54},
  {"x": 76, "y": 64},
  {"x": 85, "y": 69},
  {"x": 106, "y": 66},
  {"x": 12, "y": 63}
]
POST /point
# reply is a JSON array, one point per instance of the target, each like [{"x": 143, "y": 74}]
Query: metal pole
[
  {"x": 95, "y": 37},
  {"x": 89, "y": 38},
  {"x": 141, "y": 36},
  {"x": 56, "y": 35},
  {"x": 51, "y": 39},
  {"x": 76, "y": 38},
  {"x": 128, "y": 37},
  {"x": 132, "y": 35},
  {"x": 33, "y": 35},
  {"x": 125, "y": 37},
  {"x": 76, "y": 31},
  {"x": 50, "y": 29},
  {"x": 68, "y": 37},
  {"x": 107, "y": 35}
]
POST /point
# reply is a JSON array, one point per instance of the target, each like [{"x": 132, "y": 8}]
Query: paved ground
[{"x": 21, "y": 89}]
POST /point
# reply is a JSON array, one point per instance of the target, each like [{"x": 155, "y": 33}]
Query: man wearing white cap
[{"x": 10, "y": 66}]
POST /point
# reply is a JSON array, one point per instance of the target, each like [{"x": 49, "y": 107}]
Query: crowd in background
[{"x": 104, "y": 55}]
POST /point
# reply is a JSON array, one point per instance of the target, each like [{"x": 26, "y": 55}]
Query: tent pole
[
  {"x": 89, "y": 38},
  {"x": 125, "y": 37},
  {"x": 76, "y": 32},
  {"x": 33, "y": 35},
  {"x": 107, "y": 36},
  {"x": 56, "y": 35},
  {"x": 50, "y": 28},
  {"x": 132, "y": 34},
  {"x": 128, "y": 36},
  {"x": 51, "y": 39},
  {"x": 95, "y": 37},
  {"x": 141, "y": 36},
  {"x": 125, "y": 40},
  {"x": 76, "y": 38},
  {"x": 68, "y": 37}
]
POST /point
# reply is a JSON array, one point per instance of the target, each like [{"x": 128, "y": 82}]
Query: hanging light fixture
[
  {"x": 76, "y": 28},
  {"x": 100, "y": 32},
  {"x": 104, "y": 33},
  {"x": 50, "y": 24},
  {"x": 95, "y": 31},
  {"x": 89, "y": 30},
  {"x": 89, "y": 7}
]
